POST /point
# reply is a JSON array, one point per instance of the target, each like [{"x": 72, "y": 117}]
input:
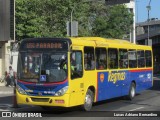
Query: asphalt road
[{"x": 147, "y": 101}]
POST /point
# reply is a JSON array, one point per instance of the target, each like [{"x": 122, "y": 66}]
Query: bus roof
[
  {"x": 106, "y": 42},
  {"x": 95, "y": 42}
]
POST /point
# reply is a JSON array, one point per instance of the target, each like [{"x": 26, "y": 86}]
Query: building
[
  {"x": 152, "y": 38},
  {"x": 131, "y": 7},
  {"x": 130, "y": 4},
  {"x": 6, "y": 33}
]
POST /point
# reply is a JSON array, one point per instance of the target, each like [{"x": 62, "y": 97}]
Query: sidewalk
[
  {"x": 6, "y": 91},
  {"x": 3, "y": 88},
  {"x": 1, "y": 84}
]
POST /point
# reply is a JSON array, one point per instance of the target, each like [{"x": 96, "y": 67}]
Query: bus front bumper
[{"x": 59, "y": 101}]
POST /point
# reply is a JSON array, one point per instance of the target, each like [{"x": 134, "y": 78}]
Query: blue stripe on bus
[
  {"x": 45, "y": 90},
  {"x": 117, "y": 83}
]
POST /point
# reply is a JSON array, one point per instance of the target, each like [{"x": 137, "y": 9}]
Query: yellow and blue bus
[{"x": 79, "y": 71}]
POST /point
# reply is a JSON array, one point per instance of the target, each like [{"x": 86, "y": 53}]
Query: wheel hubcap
[
  {"x": 88, "y": 100},
  {"x": 132, "y": 92}
]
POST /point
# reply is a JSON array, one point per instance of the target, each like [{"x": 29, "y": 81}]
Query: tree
[
  {"x": 112, "y": 22},
  {"x": 47, "y": 18},
  {"x": 28, "y": 22}
]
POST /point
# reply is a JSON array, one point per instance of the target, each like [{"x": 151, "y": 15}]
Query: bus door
[{"x": 76, "y": 83}]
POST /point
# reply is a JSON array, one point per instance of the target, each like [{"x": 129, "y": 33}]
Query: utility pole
[
  {"x": 71, "y": 20},
  {"x": 131, "y": 7},
  {"x": 72, "y": 24},
  {"x": 148, "y": 8},
  {"x": 14, "y": 21},
  {"x": 134, "y": 23}
]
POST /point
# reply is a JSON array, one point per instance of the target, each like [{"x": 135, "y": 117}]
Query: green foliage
[
  {"x": 47, "y": 18},
  {"x": 114, "y": 24}
]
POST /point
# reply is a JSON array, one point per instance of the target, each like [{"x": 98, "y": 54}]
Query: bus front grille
[{"x": 39, "y": 99}]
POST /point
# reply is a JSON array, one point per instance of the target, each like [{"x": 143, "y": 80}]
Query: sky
[{"x": 141, "y": 10}]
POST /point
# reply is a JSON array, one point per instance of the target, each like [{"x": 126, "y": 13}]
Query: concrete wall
[
  {"x": 4, "y": 58},
  {"x": 0, "y": 61},
  {"x": 139, "y": 30},
  {"x": 4, "y": 20},
  {"x": 15, "y": 59},
  {"x": 6, "y": 62}
]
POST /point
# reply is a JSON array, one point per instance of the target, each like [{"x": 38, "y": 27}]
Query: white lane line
[
  {"x": 136, "y": 109},
  {"x": 6, "y": 105},
  {"x": 4, "y": 110}
]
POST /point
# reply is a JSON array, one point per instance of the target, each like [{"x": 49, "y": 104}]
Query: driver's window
[{"x": 76, "y": 64}]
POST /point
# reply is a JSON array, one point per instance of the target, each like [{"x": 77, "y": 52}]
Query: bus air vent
[{"x": 39, "y": 99}]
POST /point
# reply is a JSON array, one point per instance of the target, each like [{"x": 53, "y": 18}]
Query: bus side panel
[
  {"x": 103, "y": 92},
  {"x": 109, "y": 84},
  {"x": 117, "y": 83},
  {"x": 148, "y": 80},
  {"x": 143, "y": 79},
  {"x": 136, "y": 76},
  {"x": 126, "y": 83}
]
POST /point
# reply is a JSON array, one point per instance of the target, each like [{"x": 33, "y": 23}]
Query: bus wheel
[
  {"x": 132, "y": 91},
  {"x": 88, "y": 101}
]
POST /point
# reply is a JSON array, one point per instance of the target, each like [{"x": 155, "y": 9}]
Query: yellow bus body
[{"x": 78, "y": 87}]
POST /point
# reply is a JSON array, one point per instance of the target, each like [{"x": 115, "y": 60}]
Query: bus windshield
[{"x": 42, "y": 66}]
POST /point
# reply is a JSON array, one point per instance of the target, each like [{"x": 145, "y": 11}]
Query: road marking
[
  {"x": 6, "y": 92},
  {"x": 5, "y": 105},
  {"x": 4, "y": 110},
  {"x": 136, "y": 109}
]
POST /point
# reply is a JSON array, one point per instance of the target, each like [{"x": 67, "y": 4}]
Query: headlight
[
  {"x": 61, "y": 91},
  {"x": 20, "y": 90}
]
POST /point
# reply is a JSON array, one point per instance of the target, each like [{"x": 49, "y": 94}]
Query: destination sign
[{"x": 44, "y": 45}]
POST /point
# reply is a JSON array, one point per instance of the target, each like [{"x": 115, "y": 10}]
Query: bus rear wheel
[
  {"x": 132, "y": 91},
  {"x": 88, "y": 101}
]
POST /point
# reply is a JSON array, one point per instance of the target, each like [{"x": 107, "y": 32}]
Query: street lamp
[{"x": 148, "y": 8}]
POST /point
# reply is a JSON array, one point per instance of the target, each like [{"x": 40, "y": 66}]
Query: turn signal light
[{"x": 59, "y": 101}]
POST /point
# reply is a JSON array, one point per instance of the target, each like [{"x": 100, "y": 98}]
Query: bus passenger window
[
  {"x": 89, "y": 62},
  {"x": 148, "y": 58},
  {"x": 132, "y": 58},
  {"x": 140, "y": 57},
  {"x": 112, "y": 58},
  {"x": 76, "y": 64},
  {"x": 101, "y": 58},
  {"x": 123, "y": 58}
]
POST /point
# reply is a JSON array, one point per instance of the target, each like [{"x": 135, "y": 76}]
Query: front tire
[
  {"x": 132, "y": 91},
  {"x": 88, "y": 101}
]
